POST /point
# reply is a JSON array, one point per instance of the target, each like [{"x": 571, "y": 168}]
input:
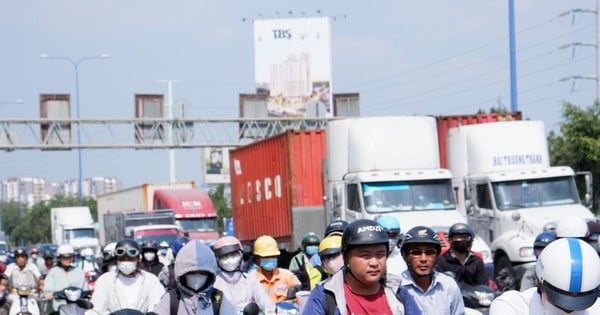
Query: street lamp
[{"x": 75, "y": 64}]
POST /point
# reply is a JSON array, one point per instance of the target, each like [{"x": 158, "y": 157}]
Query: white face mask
[
  {"x": 551, "y": 309},
  {"x": 195, "y": 281},
  {"x": 127, "y": 267},
  {"x": 230, "y": 263},
  {"x": 334, "y": 265},
  {"x": 149, "y": 256}
]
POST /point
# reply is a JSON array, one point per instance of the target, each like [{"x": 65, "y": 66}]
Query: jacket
[{"x": 241, "y": 289}]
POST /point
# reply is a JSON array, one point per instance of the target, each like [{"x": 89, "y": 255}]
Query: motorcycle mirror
[
  {"x": 251, "y": 309},
  {"x": 85, "y": 304}
]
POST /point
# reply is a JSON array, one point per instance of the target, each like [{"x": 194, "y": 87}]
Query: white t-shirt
[{"x": 134, "y": 285}]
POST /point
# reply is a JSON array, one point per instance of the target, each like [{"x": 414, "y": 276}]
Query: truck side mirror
[
  {"x": 589, "y": 187},
  {"x": 467, "y": 189}
]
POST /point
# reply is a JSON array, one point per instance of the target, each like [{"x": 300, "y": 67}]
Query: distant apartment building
[{"x": 31, "y": 190}]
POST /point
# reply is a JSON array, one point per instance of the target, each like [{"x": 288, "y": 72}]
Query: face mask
[
  {"x": 311, "y": 250},
  {"x": 334, "y": 265},
  {"x": 551, "y": 309},
  {"x": 230, "y": 263},
  {"x": 195, "y": 281},
  {"x": 34, "y": 256},
  {"x": 149, "y": 256},
  {"x": 268, "y": 264},
  {"x": 461, "y": 246},
  {"x": 127, "y": 267},
  {"x": 163, "y": 251}
]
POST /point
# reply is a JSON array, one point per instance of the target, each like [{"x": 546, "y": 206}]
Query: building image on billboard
[
  {"x": 216, "y": 165},
  {"x": 293, "y": 66}
]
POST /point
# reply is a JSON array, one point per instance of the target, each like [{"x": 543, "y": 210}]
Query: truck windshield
[
  {"x": 160, "y": 235},
  {"x": 79, "y": 233},
  {"x": 198, "y": 225},
  {"x": 405, "y": 196},
  {"x": 535, "y": 193}
]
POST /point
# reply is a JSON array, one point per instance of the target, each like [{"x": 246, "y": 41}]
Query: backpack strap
[
  {"x": 174, "y": 298},
  {"x": 330, "y": 303},
  {"x": 217, "y": 298}
]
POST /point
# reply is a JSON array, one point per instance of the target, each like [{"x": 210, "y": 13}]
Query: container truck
[
  {"x": 391, "y": 166},
  {"x": 141, "y": 226},
  {"x": 277, "y": 188},
  {"x": 510, "y": 193},
  {"x": 74, "y": 226},
  {"x": 194, "y": 211}
]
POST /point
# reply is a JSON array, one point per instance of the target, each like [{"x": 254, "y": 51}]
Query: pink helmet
[{"x": 226, "y": 245}]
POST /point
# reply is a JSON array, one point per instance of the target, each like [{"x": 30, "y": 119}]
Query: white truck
[
  {"x": 391, "y": 166},
  {"x": 74, "y": 226},
  {"x": 508, "y": 189}
]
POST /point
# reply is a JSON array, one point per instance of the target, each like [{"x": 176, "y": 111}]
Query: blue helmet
[
  {"x": 543, "y": 239},
  {"x": 178, "y": 244},
  {"x": 389, "y": 223}
]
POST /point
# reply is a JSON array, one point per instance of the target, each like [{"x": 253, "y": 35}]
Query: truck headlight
[
  {"x": 526, "y": 251},
  {"x": 486, "y": 255}
]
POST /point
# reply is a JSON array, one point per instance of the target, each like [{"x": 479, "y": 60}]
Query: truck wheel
[{"x": 504, "y": 274}]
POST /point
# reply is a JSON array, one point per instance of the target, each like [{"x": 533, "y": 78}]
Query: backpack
[{"x": 216, "y": 298}]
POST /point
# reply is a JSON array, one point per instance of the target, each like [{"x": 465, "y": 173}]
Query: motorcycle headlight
[
  {"x": 72, "y": 295},
  {"x": 23, "y": 290},
  {"x": 484, "y": 298}
]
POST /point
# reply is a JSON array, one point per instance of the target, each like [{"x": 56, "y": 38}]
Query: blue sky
[{"x": 403, "y": 57}]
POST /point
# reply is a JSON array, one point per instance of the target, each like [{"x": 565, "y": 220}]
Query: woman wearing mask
[
  {"x": 236, "y": 286},
  {"x": 330, "y": 252}
]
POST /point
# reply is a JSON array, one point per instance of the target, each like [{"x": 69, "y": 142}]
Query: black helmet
[
  {"x": 127, "y": 247},
  {"x": 336, "y": 226},
  {"x": 20, "y": 251},
  {"x": 460, "y": 228},
  {"x": 420, "y": 235},
  {"x": 48, "y": 254},
  {"x": 363, "y": 232},
  {"x": 149, "y": 246},
  {"x": 310, "y": 238}
]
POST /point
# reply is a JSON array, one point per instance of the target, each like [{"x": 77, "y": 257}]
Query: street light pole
[
  {"x": 169, "y": 109},
  {"x": 75, "y": 64}
]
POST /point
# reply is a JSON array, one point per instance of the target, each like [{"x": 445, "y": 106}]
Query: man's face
[
  {"x": 421, "y": 258},
  {"x": 21, "y": 260},
  {"x": 367, "y": 262}
]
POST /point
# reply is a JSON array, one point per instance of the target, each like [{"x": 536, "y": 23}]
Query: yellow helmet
[
  {"x": 266, "y": 246},
  {"x": 330, "y": 245}
]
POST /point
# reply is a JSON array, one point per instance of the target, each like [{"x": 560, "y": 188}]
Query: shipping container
[
  {"x": 274, "y": 178},
  {"x": 446, "y": 122}
]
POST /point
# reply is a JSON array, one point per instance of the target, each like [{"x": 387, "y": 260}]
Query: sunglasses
[
  {"x": 419, "y": 252},
  {"x": 131, "y": 252}
]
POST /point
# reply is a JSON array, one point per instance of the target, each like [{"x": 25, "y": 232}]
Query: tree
[
  {"x": 221, "y": 204},
  {"x": 579, "y": 144}
]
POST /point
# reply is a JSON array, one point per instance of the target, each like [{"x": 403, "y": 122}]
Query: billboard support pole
[{"x": 169, "y": 109}]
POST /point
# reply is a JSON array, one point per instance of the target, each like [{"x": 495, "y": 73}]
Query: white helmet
[
  {"x": 87, "y": 252},
  {"x": 572, "y": 227},
  {"x": 569, "y": 270},
  {"x": 65, "y": 250}
]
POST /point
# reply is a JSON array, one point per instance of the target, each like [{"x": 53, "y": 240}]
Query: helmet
[
  {"x": 178, "y": 244},
  {"x": 127, "y": 247},
  {"x": 330, "y": 245},
  {"x": 543, "y": 239},
  {"x": 460, "y": 228},
  {"x": 65, "y": 250},
  {"x": 266, "y": 246},
  {"x": 363, "y": 232},
  {"x": 227, "y": 245},
  {"x": 569, "y": 270},
  {"x": 48, "y": 254},
  {"x": 310, "y": 238},
  {"x": 336, "y": 226},
  {"x": 420, "y": 235},
  {"x": 150, "y": 246},
  {"x": 163, "y": 244},
  {"x": 389, "y": 223},
  {"x": 33, "y": 251},
  {"x": 571, "y": 227},
  {"x": 20, "y": 251},
  {"x": 87, "y": 252}
]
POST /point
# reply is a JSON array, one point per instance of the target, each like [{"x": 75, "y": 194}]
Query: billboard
[
  {"x": 148, "y": 106},
  {"x": 55, "y": 106},
  {"x": 292, "y": 60},
  {"x": 216, "y": 165}
]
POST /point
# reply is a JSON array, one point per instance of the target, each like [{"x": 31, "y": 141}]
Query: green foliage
[
  {"x": 579, "y": 144},
  {"x": 32, "y": 225},
  {"x": 221, "y": 204}
]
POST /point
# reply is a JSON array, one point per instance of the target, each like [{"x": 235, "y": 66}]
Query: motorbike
[
  {"x": 479, "y": 297},
  {"x": 78, "y": 301},
  {"x": 24, "y": 302},
  {"x": 90, "y": 278},
  {"x": 288, "y": 306}
]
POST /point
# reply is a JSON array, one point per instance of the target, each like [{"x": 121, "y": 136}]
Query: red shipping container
[
  {"x": 446, "y": 122},
  {"x": 271, "y": 176}
]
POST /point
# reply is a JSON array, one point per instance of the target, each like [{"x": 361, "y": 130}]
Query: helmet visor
[{"x": 571, "y": 301}]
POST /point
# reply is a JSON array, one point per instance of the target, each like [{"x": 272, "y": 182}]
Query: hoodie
[{"x": 194, "y": 256}]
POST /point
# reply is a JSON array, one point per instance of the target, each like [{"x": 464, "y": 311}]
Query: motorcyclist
[
  {"x": 108, "y": 258},
  {"x": 568, "y": 272},
  {"x": 467, "y": 268},
  {"x": 63, "y": 275},
  {"x": 395, "y": 263},
  {"x": 163, "y": 253},
  {"x": 335, "y": 227},
  {"x": 529, "y": 279},
  {"x": 20, "y": 272},
  {"x": 48, "y": 262},
  {"x": 128, "y": 286},
  {"x": 87, "y": 263},
  {"x": 330, "y": 251},
  {"x": 150, "y": 261},
  {"x": 300, "y": 264},
  {"x": 236, "y": 286},
  {"x": 433, "y": 291}
]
